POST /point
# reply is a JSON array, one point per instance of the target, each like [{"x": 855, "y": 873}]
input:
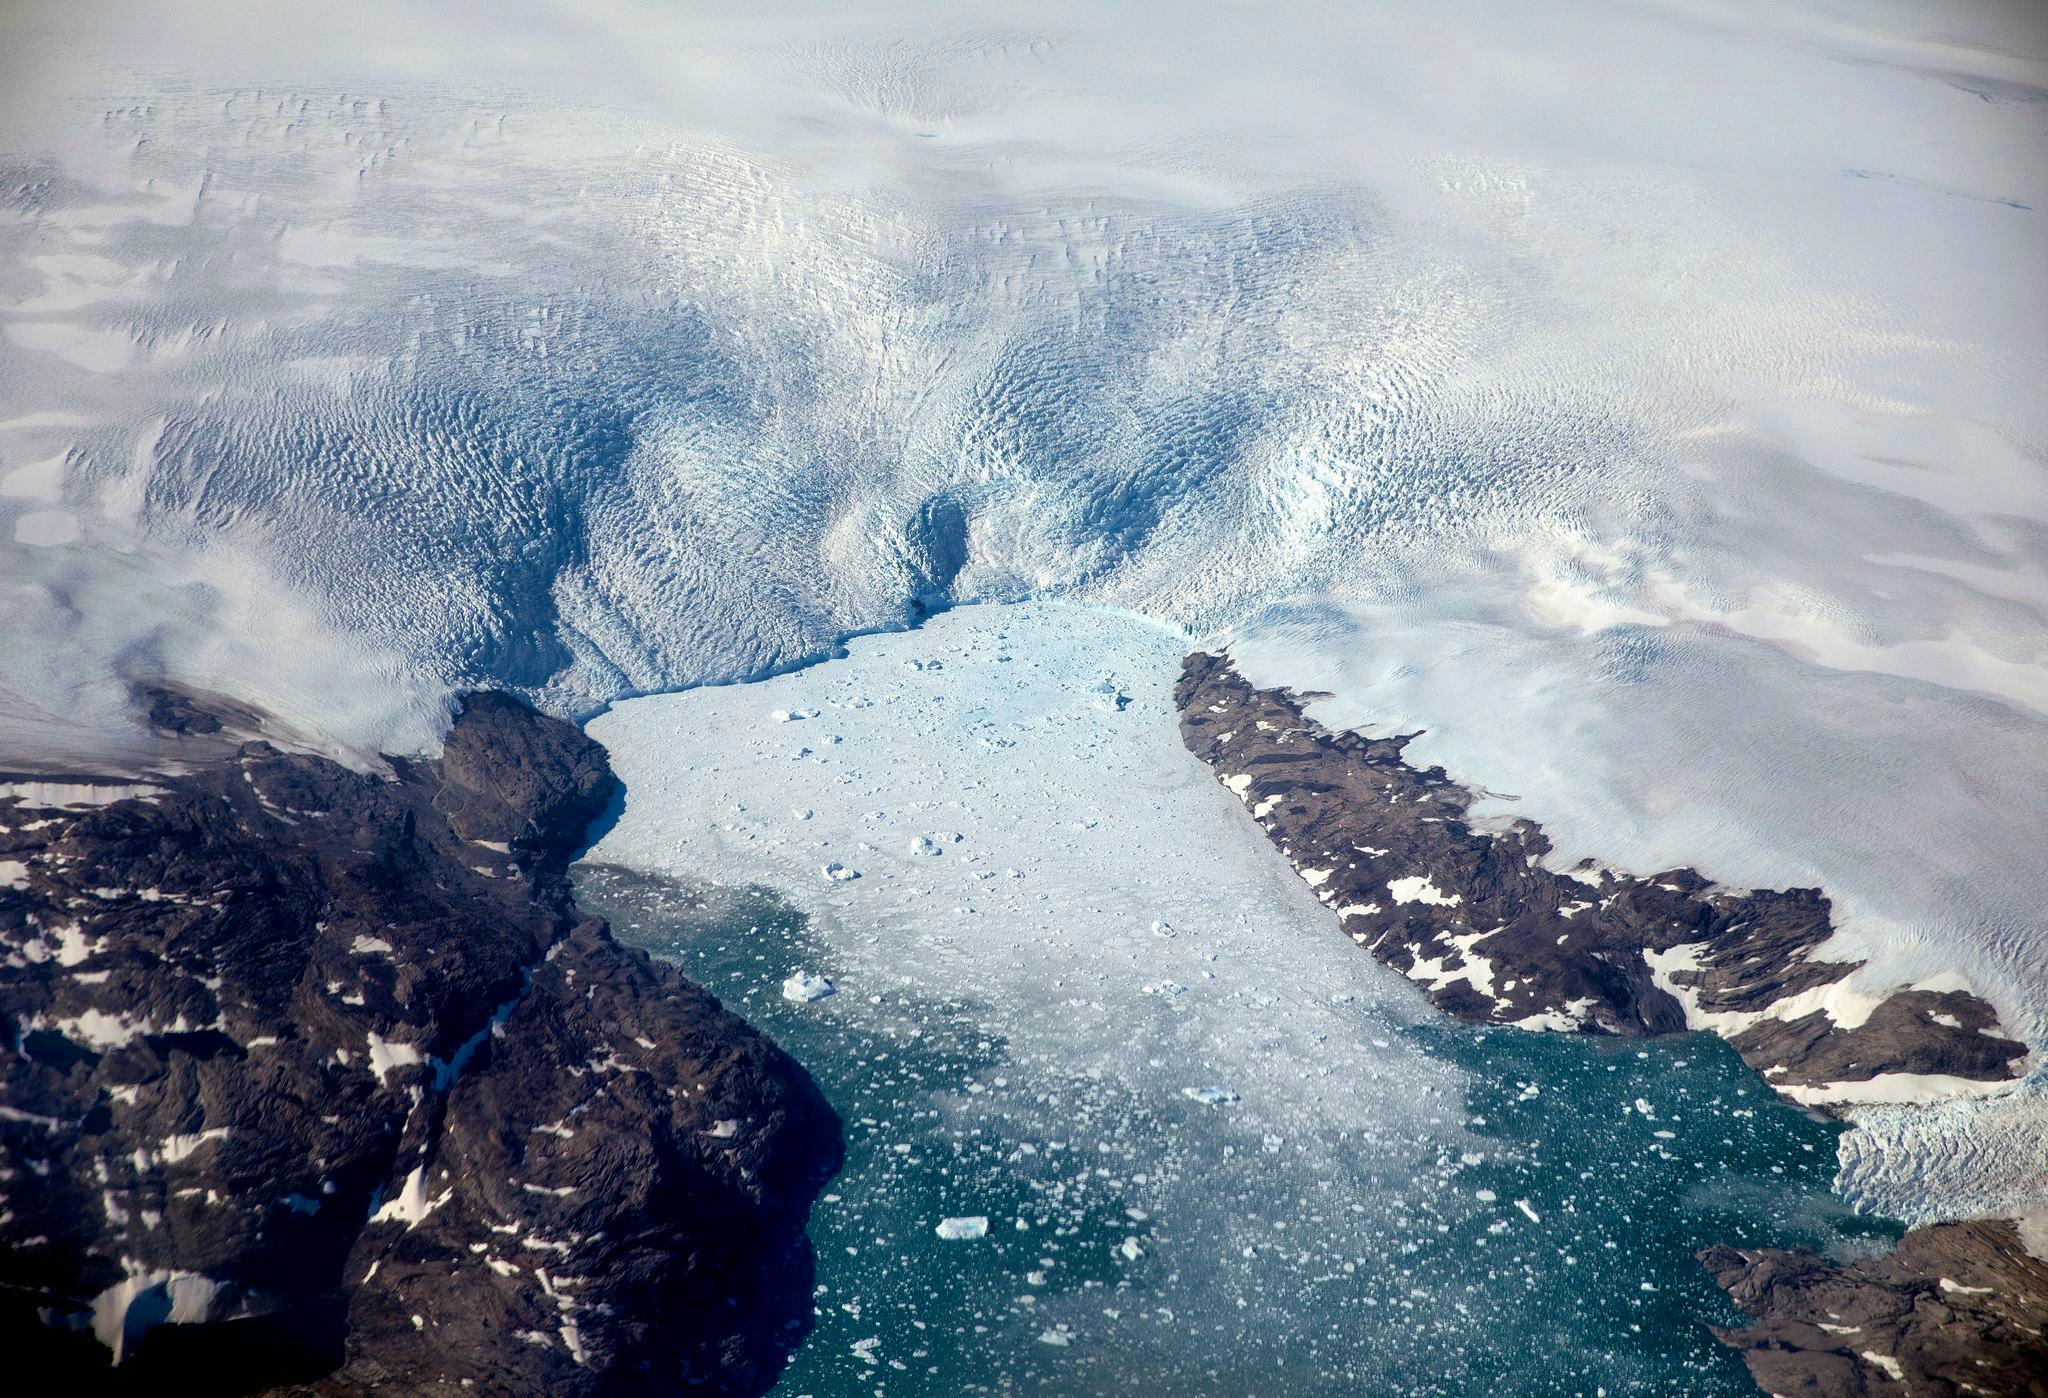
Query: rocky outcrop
[
  {"x": 1492, "y": 936},
  {"x": 316, "y": 1078},
  {"x": 1957, "y": 1308}
]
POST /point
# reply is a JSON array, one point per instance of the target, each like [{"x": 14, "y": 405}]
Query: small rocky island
[
  {"x": 315, "y": 1080},
  {"x": 1492, "y": 936}
]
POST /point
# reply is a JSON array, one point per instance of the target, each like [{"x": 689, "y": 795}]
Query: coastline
[
  {"x": 1594, "y": 951},
  {"x": 324, "y": 1080},
  {"x": 971, "y": 728}
]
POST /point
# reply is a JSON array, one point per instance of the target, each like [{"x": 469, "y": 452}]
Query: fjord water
[
  {"x": 1078, "y": 994},
  {"x": 1549, "y": 1250}
]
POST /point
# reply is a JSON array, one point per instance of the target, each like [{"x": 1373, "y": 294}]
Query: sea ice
[{"x": 1250, "y": 1024}]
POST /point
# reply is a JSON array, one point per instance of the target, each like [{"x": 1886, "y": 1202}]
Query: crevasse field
[{"x": 1642, "y": 398}]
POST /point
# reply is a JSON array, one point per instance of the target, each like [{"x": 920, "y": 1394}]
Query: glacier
[{"x": 1641, "y": 397}]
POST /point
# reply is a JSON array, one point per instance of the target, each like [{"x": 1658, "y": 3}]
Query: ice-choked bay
[{"x": 1075, "y": 994}]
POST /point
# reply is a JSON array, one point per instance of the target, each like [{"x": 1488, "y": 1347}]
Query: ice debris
[{"x": 802, "y": 988}]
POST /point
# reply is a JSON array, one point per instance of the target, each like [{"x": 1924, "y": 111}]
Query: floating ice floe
[
  {"x": 1209, "y": 1096},
  {"x": 839, "y": 873},
  {"x": 802, "y": 988},
  {"x": 963, "y": 1230}
]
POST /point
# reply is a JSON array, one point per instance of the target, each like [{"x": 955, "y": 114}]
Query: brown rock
[
  {"x": 1957, "y": 1308},
  {"x": 317, "y": 1077},
  {"x": 1492, "y": 936}
]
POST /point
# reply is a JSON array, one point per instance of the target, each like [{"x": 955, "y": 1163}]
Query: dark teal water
[{"x": 1545, "y": 1247}]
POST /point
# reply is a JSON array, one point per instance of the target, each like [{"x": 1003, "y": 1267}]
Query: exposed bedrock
[
  {"x": 1492, "y": 936},
  {"x": 1956, "y": 1308},
  {"x": 316, "y": 1078}
]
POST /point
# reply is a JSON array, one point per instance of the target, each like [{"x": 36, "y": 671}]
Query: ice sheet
[
  {"x": 654, "y": 344},
  {"x": 1696, "y": 346}
]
